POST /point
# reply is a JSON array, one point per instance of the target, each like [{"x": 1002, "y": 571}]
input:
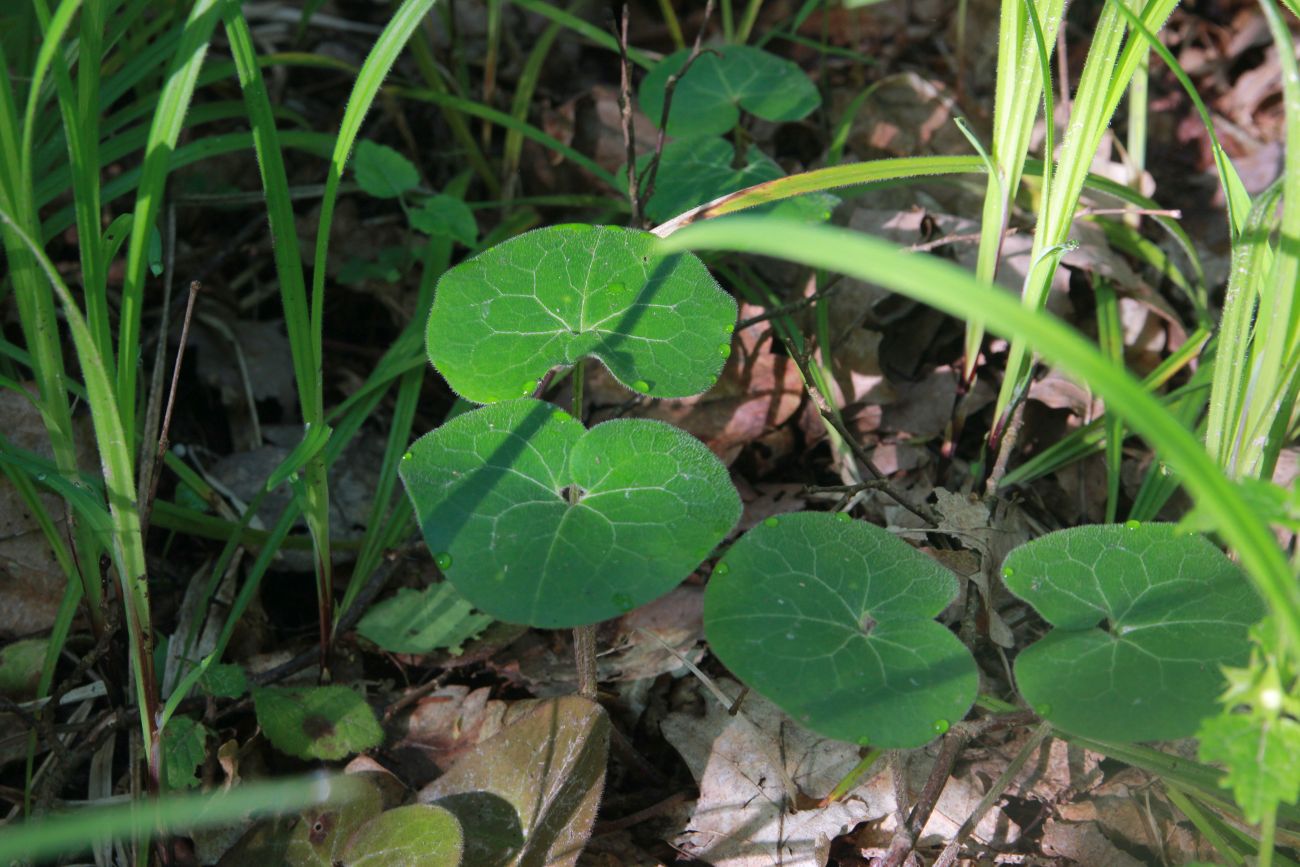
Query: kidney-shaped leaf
[
  {"x": 833, "y": 620},
  {"x": 549, "y": 766},
  {"x": 1144, "y": 614},
  {"x": 317, "y": 722},
  {"x": 502, "y": 319},
  {"x": 723, "y": 80},
  {"x": 696, "y": 171},
  {"x": 417, "y": 835},
  {"x": 491, "y": 490}
]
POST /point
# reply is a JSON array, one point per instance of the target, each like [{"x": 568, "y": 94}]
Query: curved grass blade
[{"x": 955, "y": 292}]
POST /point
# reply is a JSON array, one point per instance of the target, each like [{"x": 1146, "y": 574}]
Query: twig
[
  {"x": 625, "y": 117},
  {"x": 792, "y": 307},
  {"x": 954, "y": 743},
  {"x": 164, "y": 436},
  {"x": 949, "y": 854},
  {"x": 669, "y": 87}
]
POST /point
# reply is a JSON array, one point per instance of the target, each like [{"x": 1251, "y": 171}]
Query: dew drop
[
  {"x": 721, "y": 569},
  {"x": 443, "y": 560},
  {"x": 1007, "y": 571},
  {"x": 864, "y": 741},
  {"x": 941, "y": 726},
  {"x": 641, "y": 385},
  {"x": 770, "y": 522},
  {"x": 843, "y": 517},
  {"x": 731, "y": 328},
  {"x": 407, "y": 456},
  {"x": 622, "y": 601},
  {"x": 724, "y": 349},
  {"x": 1043, "y": 710},
  {"x": 1132, "y": 524},
  {"x": 528, "y": 388}
]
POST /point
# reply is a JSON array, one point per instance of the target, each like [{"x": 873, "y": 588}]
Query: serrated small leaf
[
  {"x": 695, "y": 171},
  {"x": 321, "y": 834},
  {"x": 554, "y": 296},
  {"x": 550, "y": 767},
  {"x": 322, "y": 722},
  {"x": 416, "y": 835},
  {"x": 422, "y": 621},
  {"x": 491, "y": 493},
  {"x": 447, "y": 216},
  {"x": 1262, "y": 758},
  {"x": 225, "y": 680},
  {"x": 383, "y": 172},
  {"x": 723, "y": 80},
  {"x": 833, "y": 621},
  {"x": 1145, "y": 616},
  {"x": 184, "y": 744}
]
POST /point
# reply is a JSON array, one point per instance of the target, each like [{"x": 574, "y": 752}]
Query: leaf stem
[{"x": 584, "y": 637}]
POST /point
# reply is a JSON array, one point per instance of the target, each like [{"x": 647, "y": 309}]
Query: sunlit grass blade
[
  {"x": 164, "y": 132},
  {"x": 957, "y": 293},
  {"x": 1023, "y": 79},
  {"x": 382, "y": 56},
  {"x": 119, "y": 480},
  {"x": 1110, "y": 65}
]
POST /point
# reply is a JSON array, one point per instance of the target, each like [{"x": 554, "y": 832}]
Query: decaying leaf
[{"x": 549, "y": 766}]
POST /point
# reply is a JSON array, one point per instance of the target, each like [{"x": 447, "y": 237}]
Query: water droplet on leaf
[
  {"x": 641, "y": 385},
  {"x": 407, "y": 456},
  {"x": 721, "y": 569},
  {"x": 941, "y": 726},
  {"x": 1043, "y": 710},
  {"x": 770, "y": 522},
  {"x": 1007, "y": 571},
  {"x": 843, "y": 517},
  {"x": 443, "y": 560},
  {"x": 1132, "y": 524},
  {"x": 864, "y": 741},
  {"x": 528, "y": 388},
  {"x": 724, "y": 349}
]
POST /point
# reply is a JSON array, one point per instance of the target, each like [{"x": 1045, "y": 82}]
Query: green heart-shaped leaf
[
  {"x": 833, "y": 620},
  {"x": 491, "y": 492},
  {"x": 417, "y": 835},
  {"x": 321, "y": 722},
  {"x": 502, "y": 319},
  {"x": 695, "y": 171},
  {"x": 1144, "y": 615},
  {"x": 723, "y": 80}
]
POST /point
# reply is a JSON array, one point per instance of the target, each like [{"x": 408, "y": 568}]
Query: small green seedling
[
  {"x": 1145, "y": 615},
  {"x": 722, "y": 81},
  {"x": 833, "y": 620},
  {"x": 382, "y": 172}
]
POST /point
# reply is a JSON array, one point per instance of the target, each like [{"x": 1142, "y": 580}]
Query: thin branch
[
  {"x": 164, "y": 436},
  {"x": 670, "y": 86},
  {"x": 625, "y": 118}
]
